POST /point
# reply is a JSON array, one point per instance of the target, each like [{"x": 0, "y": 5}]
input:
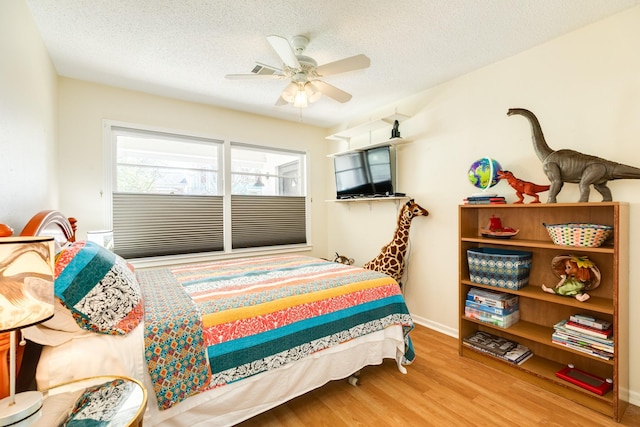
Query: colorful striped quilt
[{"x": 258, "y": 314}]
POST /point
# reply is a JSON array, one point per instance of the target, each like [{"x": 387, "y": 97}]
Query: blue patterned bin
[{"x": 502, "y": 268}]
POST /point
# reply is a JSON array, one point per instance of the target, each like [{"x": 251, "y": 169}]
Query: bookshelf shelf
[{"x": 540, "y": 311}]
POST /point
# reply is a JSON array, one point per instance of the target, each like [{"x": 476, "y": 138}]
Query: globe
[{"x": 483, "y": 173}]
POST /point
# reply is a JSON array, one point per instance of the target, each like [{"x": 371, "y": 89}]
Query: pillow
[
  {"x": 61, "y": 328},
  {"x": 62, "y": 319},
  {"x": 98, "y": 288}
]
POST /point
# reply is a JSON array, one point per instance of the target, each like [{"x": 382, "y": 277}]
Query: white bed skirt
[{"x": 226, "y": 405}]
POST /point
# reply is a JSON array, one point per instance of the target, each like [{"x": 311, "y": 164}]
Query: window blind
[
  {"x": 267, "y": 221},
  {"x": 147, "y": 225}
]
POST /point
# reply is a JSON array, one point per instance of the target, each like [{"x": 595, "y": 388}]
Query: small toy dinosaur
[{"x": 523, "y": 187}]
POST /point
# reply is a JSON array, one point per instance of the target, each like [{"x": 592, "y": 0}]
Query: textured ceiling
[{"x": 184, "y": 48}]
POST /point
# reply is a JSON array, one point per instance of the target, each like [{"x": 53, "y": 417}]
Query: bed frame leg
[{"x": 354, "y": 378}]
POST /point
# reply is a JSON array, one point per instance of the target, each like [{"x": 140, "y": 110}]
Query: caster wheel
[{"x": 353, "y": 381}]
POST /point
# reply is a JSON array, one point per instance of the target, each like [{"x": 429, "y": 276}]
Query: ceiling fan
[{"x": 303, "y": 72}]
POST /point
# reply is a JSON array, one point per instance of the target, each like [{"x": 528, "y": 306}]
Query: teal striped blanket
[{"x": 238, "y": 318}]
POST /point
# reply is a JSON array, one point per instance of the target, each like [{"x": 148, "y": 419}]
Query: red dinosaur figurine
[{"x": 523, "y": 187}]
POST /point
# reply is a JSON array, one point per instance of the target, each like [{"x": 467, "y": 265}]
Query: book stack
[
  {"x": 585, "y": 334},
  {"x": 499, "y": 347},
  {"x": 484, "y": 199},
  {"x": 496, "y": 308}
]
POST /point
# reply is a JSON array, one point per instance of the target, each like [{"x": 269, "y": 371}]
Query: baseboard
[
  {"x": 435, "y": 326},
  {"x": 634, "y": 398}
]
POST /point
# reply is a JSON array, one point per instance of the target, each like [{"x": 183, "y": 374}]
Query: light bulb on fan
[{"x": 300, "y": 100}]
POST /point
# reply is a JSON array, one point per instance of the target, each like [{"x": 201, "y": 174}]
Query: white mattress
[{"x": 92, "y": 355}]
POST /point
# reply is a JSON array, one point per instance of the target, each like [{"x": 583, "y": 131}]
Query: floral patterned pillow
[{"x": 99, "y": 289}]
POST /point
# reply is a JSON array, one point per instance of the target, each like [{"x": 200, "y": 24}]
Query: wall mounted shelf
[
  {"x": 370, "y": 199},
  {"x": 371, "y": 126},
  {"x": 392, "y": 141},
  {"x": 350, "y": 202}
]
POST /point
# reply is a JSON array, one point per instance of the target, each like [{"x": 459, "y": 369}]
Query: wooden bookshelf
[{"x": 539, "y": 310}]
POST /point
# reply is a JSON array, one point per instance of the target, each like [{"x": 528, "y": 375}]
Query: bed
[{"x": 214, "y": 343}]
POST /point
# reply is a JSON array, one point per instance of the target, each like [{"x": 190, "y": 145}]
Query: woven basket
[{"x": 579, "y": 234}]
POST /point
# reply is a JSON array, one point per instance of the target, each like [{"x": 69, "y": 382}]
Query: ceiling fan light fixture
[
  {"x": 289, "y": 93},
  {"x": 301, "y": 100},
  {"x": 313, "y": 94},
  {"x": 305, "y": 74}
]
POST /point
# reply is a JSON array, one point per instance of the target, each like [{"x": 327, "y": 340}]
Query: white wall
[
  {"x": 28, "y": 116},
  {"x": 84, "y": 106},
  {"x": 585, "y": 90}
]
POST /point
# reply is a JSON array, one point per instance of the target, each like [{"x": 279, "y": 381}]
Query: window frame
[{"x": 110, "y": 165}]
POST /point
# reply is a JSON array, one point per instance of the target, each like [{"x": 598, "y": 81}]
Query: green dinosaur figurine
[{"x": 572, "y": 166}]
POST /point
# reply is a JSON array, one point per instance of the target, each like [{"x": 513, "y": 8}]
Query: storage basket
[
  {"x": 579, "y": 234},
  {"x": 502, "y": 268}
]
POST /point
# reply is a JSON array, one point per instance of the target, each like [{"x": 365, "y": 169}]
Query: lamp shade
[
  {"x": 26, "y": 281},
  {"x": 289, "y": 93}
]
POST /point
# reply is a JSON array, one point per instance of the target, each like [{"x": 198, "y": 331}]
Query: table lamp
[{"x": 26, "y": 298}]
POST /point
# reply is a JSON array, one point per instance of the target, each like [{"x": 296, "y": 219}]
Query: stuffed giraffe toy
[{"x": 391, "y": 259}]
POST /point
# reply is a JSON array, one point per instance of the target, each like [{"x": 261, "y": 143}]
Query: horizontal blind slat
[
  {"x": 159, "y": 224},
  {"x": 267, "y": 221}
]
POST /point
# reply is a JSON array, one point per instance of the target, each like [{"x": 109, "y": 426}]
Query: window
[
  {"x": 170, "y": 194},
  {"x": 267, "y": 197},
  {"x": 153, "y": 164}
]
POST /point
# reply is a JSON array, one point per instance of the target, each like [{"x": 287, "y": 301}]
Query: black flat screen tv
[{"x": 366, "y": 173}]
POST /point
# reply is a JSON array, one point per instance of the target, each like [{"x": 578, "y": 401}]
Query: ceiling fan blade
[
  {"x": 352, "y": 63},
  {"x": 284, "y": 50},
  {"x": 254, "y": 76},
  {"x": 332, "y": 91}
]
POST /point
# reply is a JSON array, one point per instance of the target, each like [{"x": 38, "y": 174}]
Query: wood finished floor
[{"x": 440, "y": 389}]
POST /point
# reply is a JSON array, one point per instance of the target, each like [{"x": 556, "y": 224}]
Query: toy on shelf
[
  {"x": 578, "y": 274},
  {"x": 585, "y": 380},
  {"x": 495, "y": 229},
  {"x": 483, "y": 173},
  {"x": 523, "y": 187},
  {"x": 563, "y": 166}
]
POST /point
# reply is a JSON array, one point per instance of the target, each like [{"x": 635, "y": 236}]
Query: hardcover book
[
  {"x": 492, "y": 298},
  {"x": 587, "y": 330},
  {"x": 518, "y": 355},
  {"x": 584, "y": 349},
  {"x": 493, "y": 319},
  {"x": 586, "y": 341},
  {"x": 491, "y": 309},
  {"x": 491, "y": 343},
  {"x": 590, "y": 321},
  {"x": 562, "y": 327}
]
